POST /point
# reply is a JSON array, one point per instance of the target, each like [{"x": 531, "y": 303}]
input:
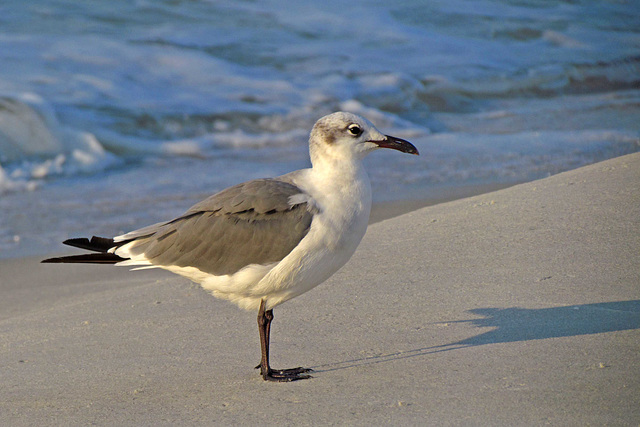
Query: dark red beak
[{"x": 397, "y": 144}]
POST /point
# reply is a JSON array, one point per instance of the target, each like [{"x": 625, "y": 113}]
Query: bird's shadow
[{"x": 521, "y": 324}]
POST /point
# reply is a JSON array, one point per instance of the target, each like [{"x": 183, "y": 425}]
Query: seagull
[{"x": 265, "y": 241}]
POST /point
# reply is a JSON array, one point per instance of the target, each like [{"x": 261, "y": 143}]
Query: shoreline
[
  {"x": 380, "y": 211},
  {"x": 384, "y": 210}
]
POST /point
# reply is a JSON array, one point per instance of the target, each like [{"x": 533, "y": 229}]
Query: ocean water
[{"x": 117, "y": 114}]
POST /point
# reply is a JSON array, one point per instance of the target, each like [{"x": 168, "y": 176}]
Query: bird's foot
[{"x": 286, "y": 375}]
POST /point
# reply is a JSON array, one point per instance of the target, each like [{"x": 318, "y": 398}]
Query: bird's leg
[{"x": 264, "y": 328}]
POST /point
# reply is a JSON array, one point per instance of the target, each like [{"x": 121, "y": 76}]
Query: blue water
[{"x": 116, "y": 114}]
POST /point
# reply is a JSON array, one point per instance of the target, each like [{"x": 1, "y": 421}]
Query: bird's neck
[
  {"x": 339, "y": 171},
  {"x": 342, "y": 183}
]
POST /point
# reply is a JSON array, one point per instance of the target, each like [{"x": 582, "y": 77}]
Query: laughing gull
[{"x": 263, "y": 242}]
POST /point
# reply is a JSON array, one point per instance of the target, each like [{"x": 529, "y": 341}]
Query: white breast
[{"x": 336, "y": 232}]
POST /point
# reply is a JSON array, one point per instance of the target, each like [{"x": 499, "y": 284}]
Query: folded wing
[{"x": 256, "y": 222}]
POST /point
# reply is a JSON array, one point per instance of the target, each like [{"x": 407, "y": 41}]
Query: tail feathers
[
  {"x": 101, "y": 258},
  {"x": 95, "y": 244}
]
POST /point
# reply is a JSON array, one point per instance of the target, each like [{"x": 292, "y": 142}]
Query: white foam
[{"x": 34, "y": 145}]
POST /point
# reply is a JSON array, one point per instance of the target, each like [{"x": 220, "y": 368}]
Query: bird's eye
[{"x": 354, "y": 130}]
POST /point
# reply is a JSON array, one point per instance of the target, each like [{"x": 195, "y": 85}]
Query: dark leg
[{"x": 268, "y": 374}]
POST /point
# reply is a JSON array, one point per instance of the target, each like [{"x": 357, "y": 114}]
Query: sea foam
[{"x": 36, "y": 145}]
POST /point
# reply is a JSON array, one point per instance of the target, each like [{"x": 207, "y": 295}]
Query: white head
[{"x": 345, "y": 136}]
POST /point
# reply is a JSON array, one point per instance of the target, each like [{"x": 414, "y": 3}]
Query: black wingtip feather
[
  {"x": 101, "y": 245},
  {"x": 101, "y": 258},
  {"x": 96, "y": 244}
]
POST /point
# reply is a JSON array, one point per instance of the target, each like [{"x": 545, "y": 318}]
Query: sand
[{"x": 516, "y": 307}]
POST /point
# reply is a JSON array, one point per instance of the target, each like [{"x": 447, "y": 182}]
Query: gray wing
[{"x": 250, "y": 223}]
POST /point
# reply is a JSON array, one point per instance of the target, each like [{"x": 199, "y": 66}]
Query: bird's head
[{"x": 348, "y": 136}]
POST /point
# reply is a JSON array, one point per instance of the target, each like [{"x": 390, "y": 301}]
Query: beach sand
[{"x": 515, "y": 307}]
